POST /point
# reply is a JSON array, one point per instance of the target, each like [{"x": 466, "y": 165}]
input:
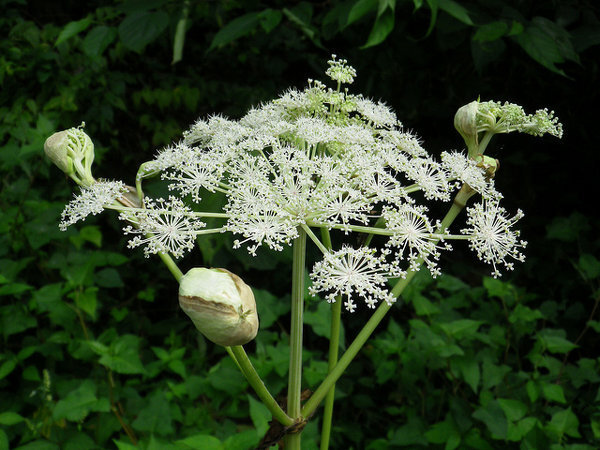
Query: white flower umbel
[
  {"x": 507, "y": 117},
  {"x": 340, "y": 71},
  {"x": 353, "y": 272},
  {"x": 466, "y": 170},
  {"x": 414, "y": 236},
  {"x": 164, "y": 226},
  {"x": 91, "y": 200},
  {"x": 492, "y": 237}
]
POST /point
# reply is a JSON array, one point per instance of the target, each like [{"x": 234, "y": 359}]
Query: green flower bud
[
  {"x": 220, "y": 304},
  {"x": 465, "y": 122},
  {"x": 73, "y": 152},
  {"x": 56, "y": 148}
]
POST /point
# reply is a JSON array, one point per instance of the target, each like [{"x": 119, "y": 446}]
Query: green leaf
[
  {"x": 568, "y": 229},
  {"x": 589, "y": 266},
  {"x": 73, "y": 29},
  {"x": 79, "y": 403},
  {"x": 456, "y": 10},
  {"x": 383, "y": 26},
  {"x": 469, "y": 369},
  {"x": 4, "y": 444},
  {"x": 462, "y": 328},
  {"x": 533, "y": 391},
  {"x": 524, "y": 314},
  {"x": 556, "y": 344},
  {"x": 564, "y": 422},
  {"x": 87, "y": 300},
  {"x": 9, "y": 418},
  {"x": 513, "y": 409},
  {"x": 124, "y": 445},
  {"x": 269, "y": 307},
  {"x": 553, "y": 392},
  {"x": 269, "y": 19},
  {"x": 360, "y": 9},
  {"x": 238, "y": 27},
  {"x": 494, "y": 418},
  {"x": 423, "y": 307},
  {"x": 260, "y": 415},
  {"x": 108, "y": 278},
  {"x": 491, "y": 31},
  {"x": 155, "y": 417},
  {"x": 441, "y": 432},
  {"x": 140, "y": 28},
  {"x": 516, "y": 431},
  {"x": 200, "y": 442},
  {"x": 122, "y": 356},
  {"x": 97, "y": 39}
]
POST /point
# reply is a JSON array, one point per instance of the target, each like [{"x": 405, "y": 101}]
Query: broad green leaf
[
  {"x": 269, "y": 19},
  {"x": 441, "y": 432},
  {"x": 516, "y": 431},
  {"x": 553, "y": 392},
  {"x": 97, "y": 39},
  {"x": 491, "y": 31},
  {"x": 140, "y": 28},
  {"x": 456, "y": 10},
  {"x": 269, "y": 307},
  {"x": 533, "y": 391},
  {"x": 564, "y": 422},
  {"x": 524, "y": 314},
  {"x": 155, "y": 417},
  {"x": 79, "y": 403},
  {"x": 423, "y": 307},
  {"x": 589, "y": 266},
  {"x": 556, "y": 344},
  {"x": 9, "y": 418},
  {"x": 513, "y": 409},
  {"x": 200, "y": 442},
  {"x": 383, "y": 26},
  {"x": 360, "y": 9},
  {"x": 469, "y": 369},
  {"x": 124, "y": 445},
  {"x": 462, "y": 328},
  {"x": 87, "y": 300},
  {"x": 238, "y": 27},
  {"x": 542, "y": 47},
  {"x": 494, "y": 418},
  {"x": 315, "y": 372},
  {"x": 108, "y": 278},
  {"x": 39, "y": 445},
  {"x": 4, "y": 444},
  {"x": 568, "y": 229},
  {"x": 122, "y": 356},
  {"x": 260, "y": 415},
  {"x": 72, "y": 29},
  {"x": 227, "y": 378}
]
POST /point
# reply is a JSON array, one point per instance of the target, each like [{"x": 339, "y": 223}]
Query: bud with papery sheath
[
  {"x": 220, "y": 304},
  {"x": 73, "y": 152}
]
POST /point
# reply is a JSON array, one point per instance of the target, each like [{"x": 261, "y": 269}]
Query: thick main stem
[
  {"x": 334, "y": 345},
  {"x": 295, "y": 375}
]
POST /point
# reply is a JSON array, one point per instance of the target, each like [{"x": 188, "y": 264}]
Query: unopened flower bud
[
  {"x": 55, "y": 148},
  {"x": 220, "y": 304},
  {"x": 466, "y": 124},
  {"x": 73, "y": 152}
]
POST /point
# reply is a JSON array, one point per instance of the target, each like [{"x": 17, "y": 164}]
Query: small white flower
[
  {"x": 353, "y": 272},
  {"x": 163, "y": 227},
  {"x": 91, "y": 200},
  {"x": 491, "y": 235},
  {"x": 376, "y": 113}
]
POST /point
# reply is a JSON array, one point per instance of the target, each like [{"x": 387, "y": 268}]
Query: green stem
[
  {"x": 168, "y": 261},
  {"x": 334, "y": 345},
  {"x": 245, "y": 365},
  {"x": 179, "y": 39},
  {"x": 295, "y": 376},
  {"x": 315, "y": 399}
]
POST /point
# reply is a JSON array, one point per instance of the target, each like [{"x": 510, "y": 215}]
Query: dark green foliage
[{"x": 96, "y": 354}]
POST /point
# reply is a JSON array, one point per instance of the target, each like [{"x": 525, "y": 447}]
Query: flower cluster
[{"x": 325, "y": 158}]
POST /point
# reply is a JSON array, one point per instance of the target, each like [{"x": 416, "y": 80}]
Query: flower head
[{"x": 492, "y": 237}]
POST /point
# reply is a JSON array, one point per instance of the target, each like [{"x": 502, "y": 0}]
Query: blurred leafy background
[{"x": 95, "y": 353}]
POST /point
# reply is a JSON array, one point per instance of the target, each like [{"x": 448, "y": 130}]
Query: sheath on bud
[
  {"x": 72, "y": 151},
  {"x": 220, "y": 304},
  {"x": 465, "y": 122}
]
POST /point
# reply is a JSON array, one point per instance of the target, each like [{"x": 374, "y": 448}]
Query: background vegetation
[{"x": 96, "y": 354}]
